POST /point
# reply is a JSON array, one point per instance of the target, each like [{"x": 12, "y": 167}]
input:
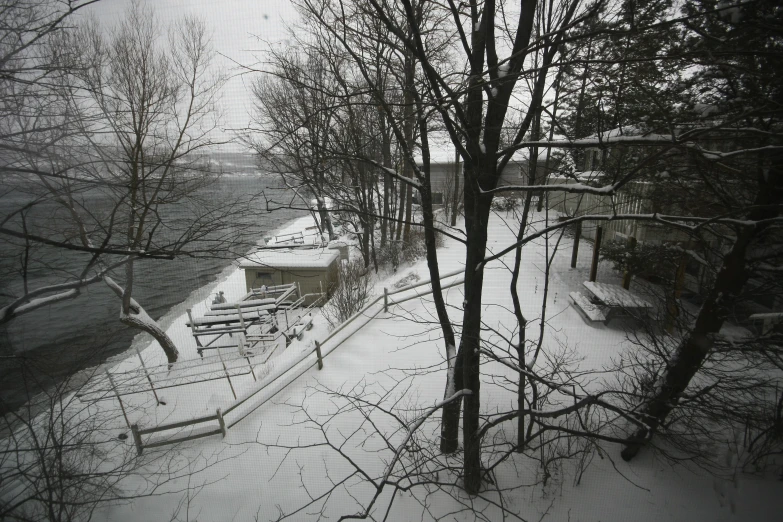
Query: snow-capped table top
[{"x": 615, "y": 296}]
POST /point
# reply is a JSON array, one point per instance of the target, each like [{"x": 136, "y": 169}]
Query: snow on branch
[
  {"x": 650, "y": 139},
  {"x": 9, "y": 312},
  {"x": 576, "y": 188},
  {"x": 51, "y": 294}
]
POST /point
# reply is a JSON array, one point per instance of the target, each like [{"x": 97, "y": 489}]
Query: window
[{"x": 264, "y": 277}]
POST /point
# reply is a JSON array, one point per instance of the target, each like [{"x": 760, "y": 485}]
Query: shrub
[
  {"x": 505, "y": 204},
  {"x": 351, "y": 293},
  {"x": 397, "y": 253}
]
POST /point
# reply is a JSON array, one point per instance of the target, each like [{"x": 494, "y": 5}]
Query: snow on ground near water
[{"x": 254, "y": 480}]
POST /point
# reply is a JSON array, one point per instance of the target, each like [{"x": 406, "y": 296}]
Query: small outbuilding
[{"x": 314, "y": 269}]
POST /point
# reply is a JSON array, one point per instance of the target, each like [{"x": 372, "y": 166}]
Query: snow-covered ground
[{"x": 254, "y": 477}]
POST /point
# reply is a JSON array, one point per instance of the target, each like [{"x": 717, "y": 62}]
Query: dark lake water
[{"x": 59, "y": 340}]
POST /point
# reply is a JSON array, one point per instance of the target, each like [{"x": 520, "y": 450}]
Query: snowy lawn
[{"x": 399, "y": 355}]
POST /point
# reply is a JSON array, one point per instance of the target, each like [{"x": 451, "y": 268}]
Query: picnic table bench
[
  {"x": 229, "y": 319},
  {"x": 608, "y": 301},
  {"x": 250, "y": 303},
  {"x": 249, "y": 312}
]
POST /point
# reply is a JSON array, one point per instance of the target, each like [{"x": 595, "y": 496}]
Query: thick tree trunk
[
  {"x": 407, "y": 130},
  {"x": 135, "y": 317},
  {"x": 477, "y": 209},
  {"x": 455, "y": 190},
  {"x": 694, "y": 348},
  {"x": 141, "y": 321},
  {"x": 691, "y": 352}
]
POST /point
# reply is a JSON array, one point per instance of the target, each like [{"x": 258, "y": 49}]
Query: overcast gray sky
[{"x": 238, "y": 28}]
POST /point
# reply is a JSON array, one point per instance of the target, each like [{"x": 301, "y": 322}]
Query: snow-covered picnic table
[{"x": 608, "y": 301}]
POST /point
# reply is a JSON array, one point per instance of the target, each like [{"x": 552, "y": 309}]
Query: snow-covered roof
[{"x": 290, "y": 258}]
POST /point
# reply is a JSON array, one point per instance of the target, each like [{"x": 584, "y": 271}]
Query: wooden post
[
  {"x": 192, "y": 324},
  {"x": 250, "y": 365},
  {"x": 575, "y": 250},
  {"x": 596, "y": 253},
  {"x": 144, "y": 366},
  {"x": 241, "y": 340},
  {"x": 241, "y": 319},
  {"x": 385, "y": 299},
  {"x": 222, "y": 422},
  {"x": 137, "y": 439},
  {"x": 672, "y": 309},
  {"x": 627, "y": 275},
  {"x": 320, "y": 357},
  {"x": 228, "y": 377},
  {"x": 117, "y": 394}
]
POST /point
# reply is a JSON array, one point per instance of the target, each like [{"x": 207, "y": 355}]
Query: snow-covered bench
[
  {"x": 249, "y": 312},
  {"x": 249, "y": 303},
  {"x": 231, "y": 319},
  {"x": 590, "y": 310},
  {"x": 613, "y": 301}
]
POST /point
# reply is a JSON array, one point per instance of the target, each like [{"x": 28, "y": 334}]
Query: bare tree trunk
[
  {"x": 694, "y": 348},
  {"x": 449, "y": 431},
  {"x": 387, "y": 179},
  {"x": 407, "y": 129},
  {"x": 521, "y": 320},
  {"x": 477, "y": 209},
  {"x": 326, "y": 220},
  {"x": 455, "y": 188},
  {"x": 136, "y": 317}
]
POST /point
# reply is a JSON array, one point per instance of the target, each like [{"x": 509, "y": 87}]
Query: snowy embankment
[{"x": 400, "y": 355}]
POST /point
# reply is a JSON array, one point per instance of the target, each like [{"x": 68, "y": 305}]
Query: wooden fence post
[
  {"x": 117, "y": 394},
  {"x": 627, "y": 274},
  {"x": 672, "y": 309},
  {"x": 250, "y": 365},
  {"x": 575, "y": 251},
  {"x": 318, "y": 354},
  {"x": 144, "y": 366},
  {"x": 385, "y": 299},
  {"x": 228, "y": 377},
  {"x": 241, "y": 318},
  {"x": 222, "y": 422},
  {"x": 137, "y": 439},
  {"x": 596, "y": 253}
]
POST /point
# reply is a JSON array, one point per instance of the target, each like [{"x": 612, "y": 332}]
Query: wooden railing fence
[{"x": 242, "y": 406}]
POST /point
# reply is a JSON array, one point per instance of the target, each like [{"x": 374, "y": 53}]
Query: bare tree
[
  {"x": 500, "y": 89},
  {"x": 129, "y": 122}
]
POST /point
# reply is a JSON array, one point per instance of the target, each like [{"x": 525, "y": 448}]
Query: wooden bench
[
  {"x": 614, "y": 300},
  {"x": 590, "y": 310},
  {"x": 230, "y": 319},
  {"x": 249, "y": 303},
  {"x": 252, "y": 311}
]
